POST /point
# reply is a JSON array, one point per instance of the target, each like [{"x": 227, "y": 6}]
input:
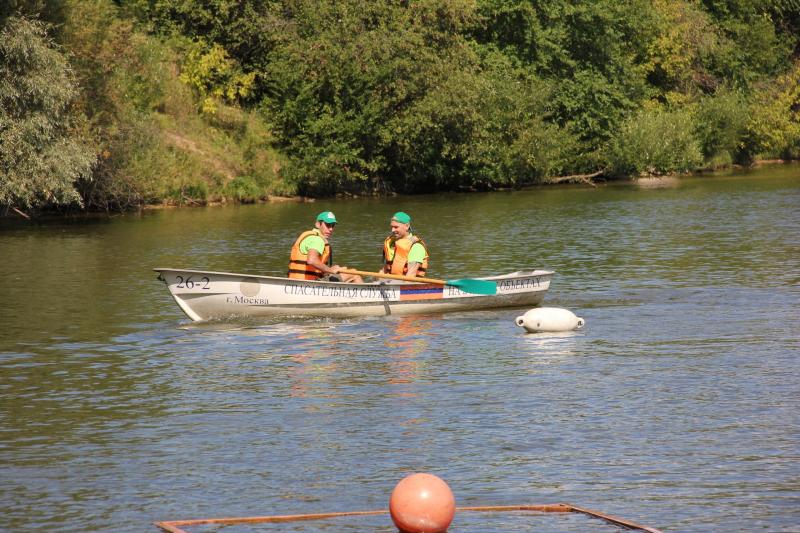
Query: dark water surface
[{"x": 678, "y": 405}]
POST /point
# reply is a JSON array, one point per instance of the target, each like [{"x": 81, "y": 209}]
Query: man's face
[
  {"x": 399, "y": 230},
  {"x": 325, "y": 228}
]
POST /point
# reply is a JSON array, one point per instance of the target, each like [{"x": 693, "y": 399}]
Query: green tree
[
  {"x": 773, "y": 129},
  {"x": 680, "y": 56},
  {"x": 41, "y": 158},
  {"x": 753, "y": 48},
  {"x": 214, "y": 76},
  {"x": 346, "y": 73},
  {"x": 480, "y": 127},
  {"x": 594, "y": 52},
  {"x": 247, "y": 30}
]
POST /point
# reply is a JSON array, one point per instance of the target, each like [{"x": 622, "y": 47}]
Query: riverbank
[
  {"x": 666, "y": 181},
  {"x": 592, "y": 179}
]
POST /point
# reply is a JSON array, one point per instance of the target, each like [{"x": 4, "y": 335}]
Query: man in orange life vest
[
  {"x": 311, "y": 256},
  {"x": 403, "y": 252}
]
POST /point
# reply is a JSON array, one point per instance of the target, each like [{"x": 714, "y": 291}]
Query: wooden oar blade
[{"x": 474, "y": 286}]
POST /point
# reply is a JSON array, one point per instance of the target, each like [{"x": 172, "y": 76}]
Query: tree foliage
[
  {"x": 348, "y": 78},
  {"x": 48, "y": 11},
  {"x": 188, "y": 99},
  {"x": 41, "y": 157},
  {"x": 773, "y": 128},
  {"x": 215, "y": 76},
  {"x": 246, "y": 29}
]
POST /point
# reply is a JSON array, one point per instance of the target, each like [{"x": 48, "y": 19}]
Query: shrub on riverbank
[
  {"x": 655, "y": 142},
  {"x": 720, "y": 122}
]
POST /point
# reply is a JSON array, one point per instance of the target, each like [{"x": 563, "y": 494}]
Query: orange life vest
[
  {"x": 399, "y": 263},
  {"x": 298, "y": 265}
]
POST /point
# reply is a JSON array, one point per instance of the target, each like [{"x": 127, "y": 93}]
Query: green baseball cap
[
  {"x": 327, "y": 217},
  {"x": 401, "y": 217}
]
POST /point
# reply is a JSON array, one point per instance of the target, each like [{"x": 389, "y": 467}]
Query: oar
[{"x": 473, "y": 286}]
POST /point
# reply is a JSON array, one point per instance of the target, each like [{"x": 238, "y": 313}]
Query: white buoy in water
[{"x": 549, "y": 319}]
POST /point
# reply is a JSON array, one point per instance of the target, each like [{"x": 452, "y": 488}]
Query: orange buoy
[{"x": 422, "y": 503}]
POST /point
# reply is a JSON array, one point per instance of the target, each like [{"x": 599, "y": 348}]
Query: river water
[{"x": 677, "y": 406}]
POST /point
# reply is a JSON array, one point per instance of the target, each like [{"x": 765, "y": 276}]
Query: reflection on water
[
  {"x": 546, "y": 345},
  {"x": 313, "y": 363},
  {"x": 682, "y": 387},
  {"x": 406, "y": 345}
]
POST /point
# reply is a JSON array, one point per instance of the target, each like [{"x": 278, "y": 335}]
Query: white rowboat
[{"x": 206, "y": 295}]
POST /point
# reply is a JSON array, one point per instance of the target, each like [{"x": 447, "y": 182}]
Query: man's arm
[
  {"x": 416, "y": 255},
  {"x": 315, "y": 260}
]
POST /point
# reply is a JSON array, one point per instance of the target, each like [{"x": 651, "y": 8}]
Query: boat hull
[{"x": 205, "y": 295}]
